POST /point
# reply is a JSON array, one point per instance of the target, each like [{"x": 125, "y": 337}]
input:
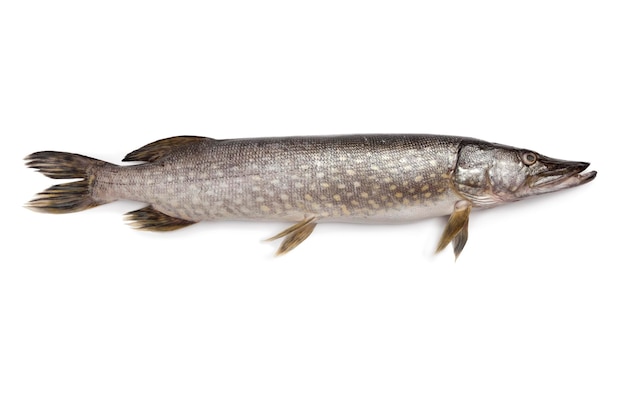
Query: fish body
[{"x": 307, "y": 180}]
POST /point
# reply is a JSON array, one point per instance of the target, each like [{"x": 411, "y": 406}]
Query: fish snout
[{"x": 557, "y": 174}]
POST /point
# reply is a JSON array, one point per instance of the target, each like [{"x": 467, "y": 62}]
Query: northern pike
[{"x": 307, "y": 180}]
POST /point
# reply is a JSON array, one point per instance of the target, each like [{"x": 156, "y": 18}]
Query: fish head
[{"x": 490, "y": 174}]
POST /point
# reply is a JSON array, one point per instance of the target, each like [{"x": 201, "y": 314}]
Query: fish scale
[{"x": 307, "y": 179}]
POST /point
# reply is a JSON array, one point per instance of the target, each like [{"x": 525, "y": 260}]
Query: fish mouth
[{"x": 559, "y": 174}]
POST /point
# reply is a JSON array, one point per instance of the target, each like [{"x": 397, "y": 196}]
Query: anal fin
[
  {"x": 456, "y": 230},
  {"x": 294, "y": 235},
  {"x": 148, "y": 218}
]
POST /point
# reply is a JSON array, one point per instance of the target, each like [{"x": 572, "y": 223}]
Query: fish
[{"x": 307, "y": 180}]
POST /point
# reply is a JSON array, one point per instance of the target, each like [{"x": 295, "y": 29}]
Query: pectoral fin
[
  {"x": 459, "y": 241},
  {"x": 294, "y": 235},
  {"x": 457, "y": 228}
]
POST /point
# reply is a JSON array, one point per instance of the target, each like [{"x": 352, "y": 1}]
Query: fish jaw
[{"x": 558, "y": 175}]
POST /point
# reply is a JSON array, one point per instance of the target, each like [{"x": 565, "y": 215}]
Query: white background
[{"x": 97, "y": 319}]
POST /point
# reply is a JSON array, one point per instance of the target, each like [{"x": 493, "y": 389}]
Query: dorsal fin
[{"x": 156, "y": 150}]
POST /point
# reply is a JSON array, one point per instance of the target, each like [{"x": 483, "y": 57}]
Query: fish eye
[{"x": 529, "y": 158}]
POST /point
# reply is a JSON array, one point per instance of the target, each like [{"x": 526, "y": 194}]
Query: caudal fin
[{"x": 68, "y": 197}]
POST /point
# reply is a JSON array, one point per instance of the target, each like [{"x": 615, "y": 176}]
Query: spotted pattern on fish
[{"x": 307, "y": 180}]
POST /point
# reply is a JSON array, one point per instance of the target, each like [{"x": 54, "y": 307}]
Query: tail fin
[{"x": 68, "y": 197}]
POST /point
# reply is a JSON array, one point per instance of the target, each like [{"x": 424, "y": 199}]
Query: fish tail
[{"x": 68, "y": 197}]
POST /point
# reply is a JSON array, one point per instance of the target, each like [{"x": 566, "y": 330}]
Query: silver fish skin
[{"x": 367, "y": 178}]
